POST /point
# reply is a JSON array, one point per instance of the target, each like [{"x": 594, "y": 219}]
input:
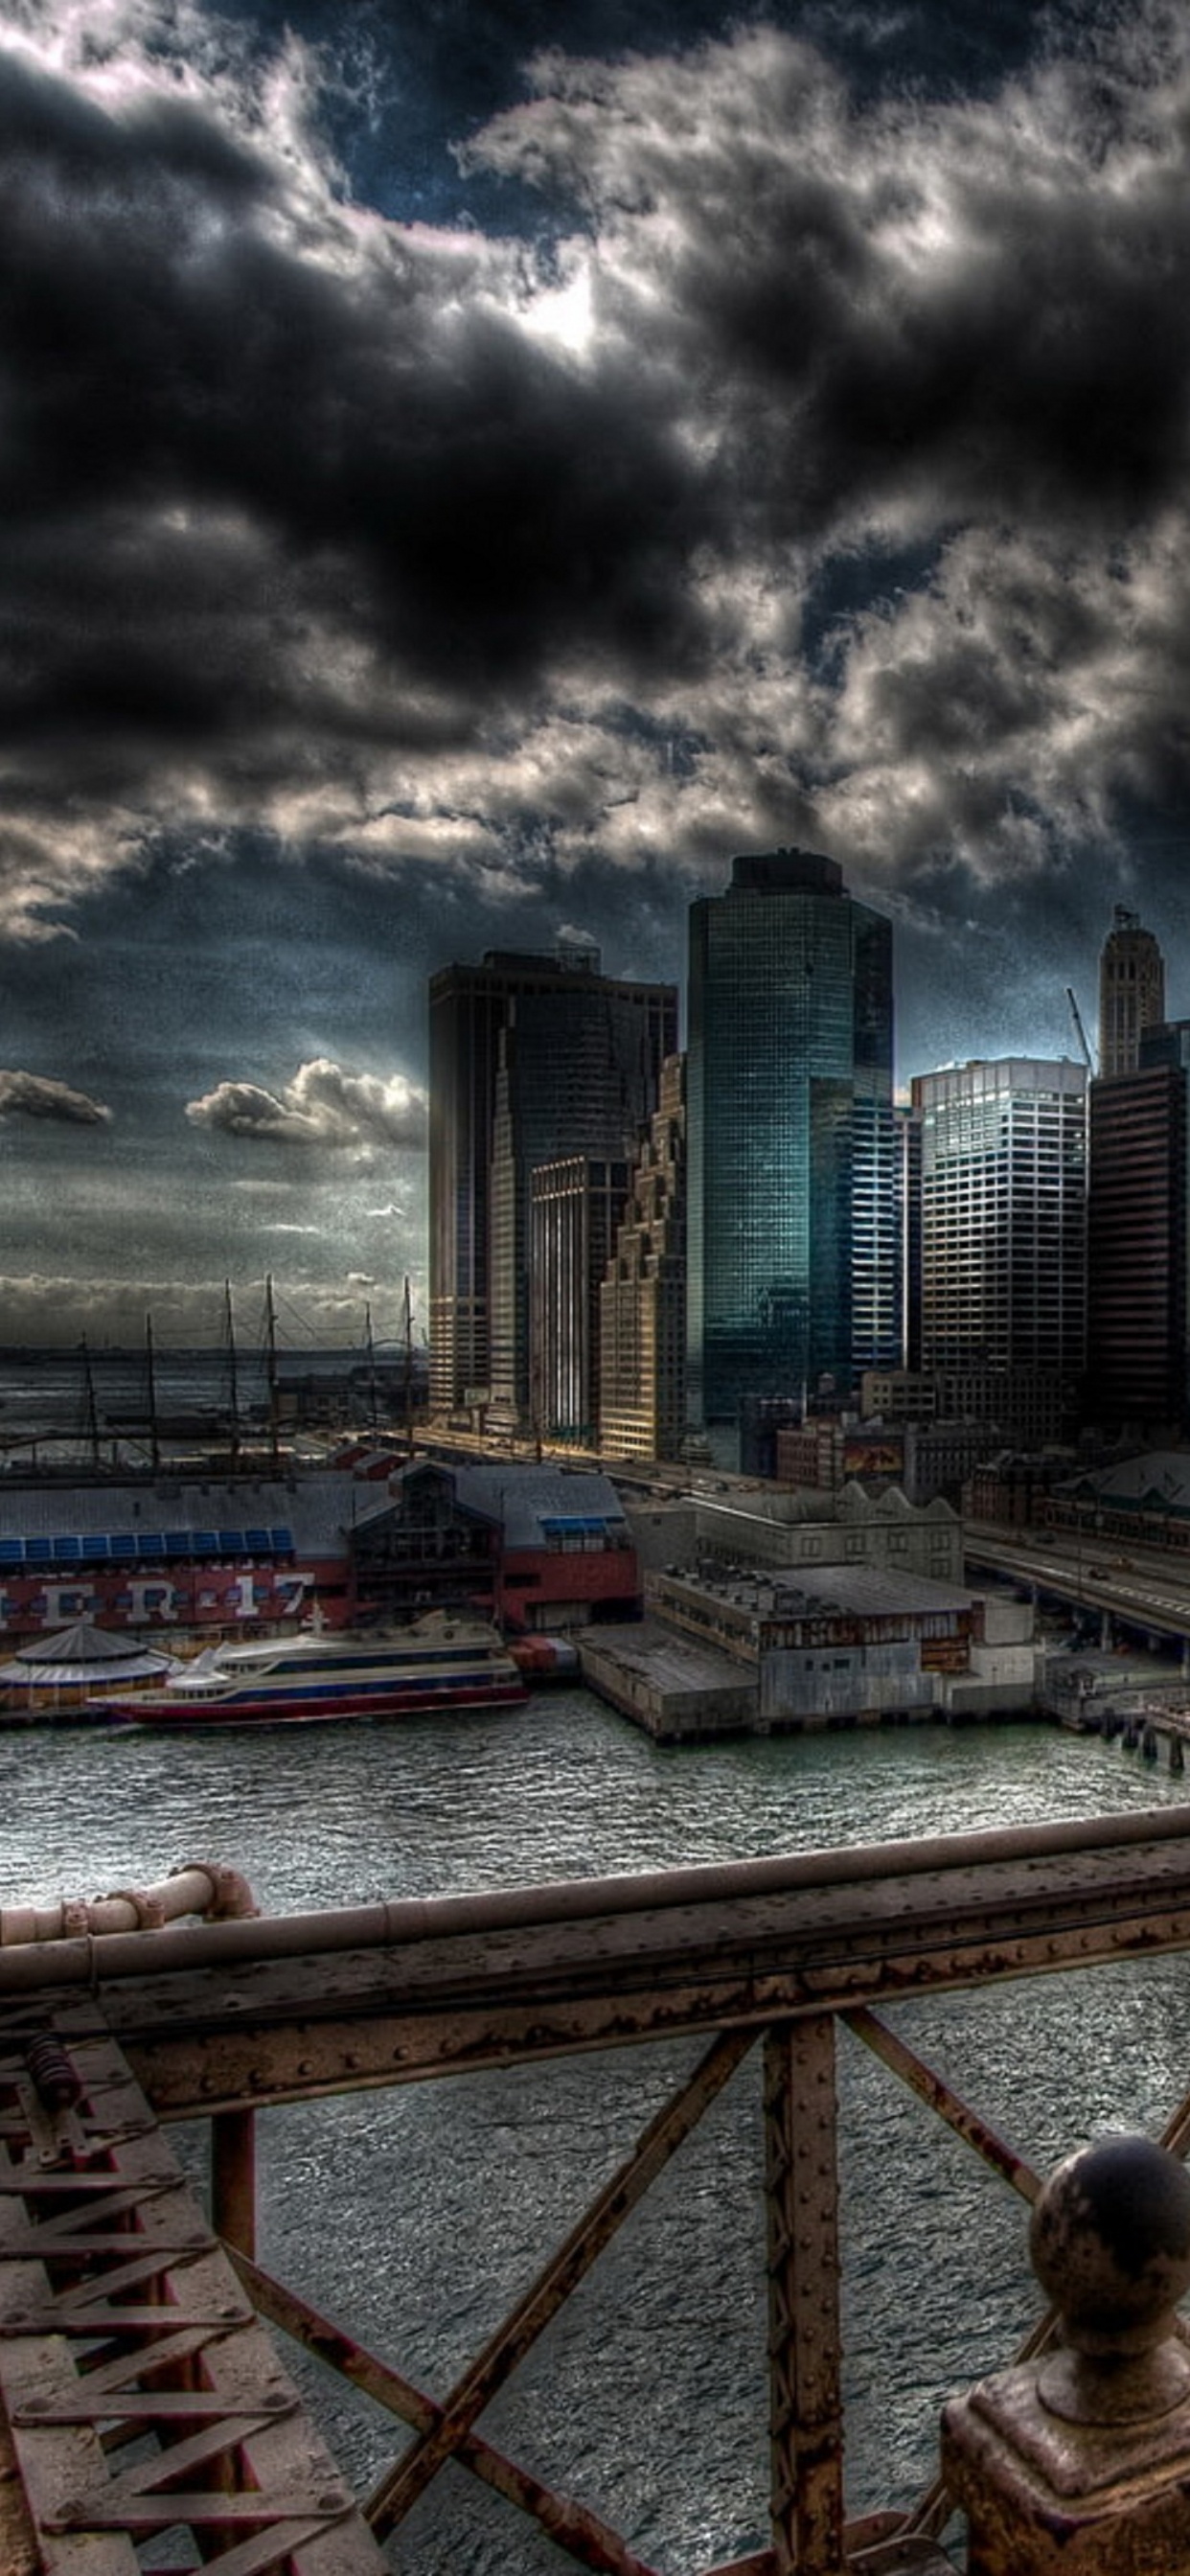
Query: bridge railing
[{"x": 775, "y": 1955}]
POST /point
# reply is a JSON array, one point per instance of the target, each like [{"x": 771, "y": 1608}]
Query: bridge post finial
[{"x": 1079, "y": 2460}]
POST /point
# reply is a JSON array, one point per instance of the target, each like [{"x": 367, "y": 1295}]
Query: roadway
[{"x": 1139, "y": 1588}]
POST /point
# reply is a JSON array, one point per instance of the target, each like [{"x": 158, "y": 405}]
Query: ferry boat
[{"x": 317, "y": 1678}]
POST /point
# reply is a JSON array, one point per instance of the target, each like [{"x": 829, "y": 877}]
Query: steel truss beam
[
  {"x": 933, "y": 2511},
  {"x": 140, "y": 2397},
  {"x": 399, "y": 2491},
  {"x": 296, "y": 2028},
  {"x": 113, "y": 2319}
]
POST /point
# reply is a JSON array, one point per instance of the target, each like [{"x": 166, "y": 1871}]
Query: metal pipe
[
  {"x": 406, "y": 1919},
  {"x": 199, "y": 1887}
]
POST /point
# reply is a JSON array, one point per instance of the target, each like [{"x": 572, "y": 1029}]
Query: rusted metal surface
[
  {"x": 806, "y": 2406},
  {"x": 936, "y": 2506},
  {"x": 138, "y": 2394},
  {"x": 719, "y": 1888},
  {"x": 233, "y": 2179},
  {"x": 396, "y": 2493},
  {"x": 287, "y": 2029},
  {"x": 932, "y": 2089},
  {"x": 1081, "y": 2461},
  {"x": 576, "y": 2528},
  {"x": 266, "y": 2014}
]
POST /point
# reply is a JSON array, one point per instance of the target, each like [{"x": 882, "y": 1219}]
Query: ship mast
[
  {"x": 370, "y": 1347},
  {"x": 408, "y": 1369},
  {"x": 270, "y": 1345},
  {"x": 151, "y": 1389},
  {"x": 92, "y": 1416},
  {"x": 232, "y": 1378}
]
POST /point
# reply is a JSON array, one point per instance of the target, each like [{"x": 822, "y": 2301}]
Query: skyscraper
[
  {"x": 531, "y": 1059},
  {"x": 1131, "y": 992},
  {"x": 792, "y": 1243},
  {"x": 642, "y": 1302},
  {"x": 1139, "y": 1239},
  {"x": 575, "y": 1207},
  {"x": 1137, "y": 1250},
  {"x": 1004, "y": 1216}
]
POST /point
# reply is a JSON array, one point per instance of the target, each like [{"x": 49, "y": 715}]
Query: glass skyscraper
[
  {"x": 794, "y": 1227},
  {"x": 1004, "y": 1216},
  {"x": 531, "y": 1059}
]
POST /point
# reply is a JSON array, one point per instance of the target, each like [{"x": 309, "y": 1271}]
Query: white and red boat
[{"x": 316, "y": 1678}]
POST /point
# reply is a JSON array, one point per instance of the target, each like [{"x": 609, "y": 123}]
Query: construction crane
[{"x": 1080, "y": 1032}]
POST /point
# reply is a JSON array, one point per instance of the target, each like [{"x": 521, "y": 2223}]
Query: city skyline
[{"x": 466, "y": 487}]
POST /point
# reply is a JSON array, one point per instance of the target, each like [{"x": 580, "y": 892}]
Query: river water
[{"x": 415, "y": 2217}]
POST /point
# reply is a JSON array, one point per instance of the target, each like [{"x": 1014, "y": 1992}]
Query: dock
[{"x": 679, "y": 1692}]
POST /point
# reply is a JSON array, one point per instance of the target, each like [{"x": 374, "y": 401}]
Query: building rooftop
[
  {"x": 1160, "y": 1477},
  {"x": 790, "y": 1504},
  {"x": 207, "y": 1516},
  {"x": 534, "y": 1503},
  {"x": 860, "y": 1591}
]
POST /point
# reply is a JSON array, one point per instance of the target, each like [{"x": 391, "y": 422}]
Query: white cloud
[
  {"x": 35, "y": 1095},
  {"x": 322, "y": 1108}
]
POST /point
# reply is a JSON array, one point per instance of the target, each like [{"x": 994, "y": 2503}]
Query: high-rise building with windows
[
  {"x": 793, "y": 1208},
  {"x": 531, "y": 1059},
  {"x": 1131, "y": 992},
  {"x": 1004, "y": 1216},
  {"x": 1138, "y": 1375},
  {"x": 575, "y": 1208},
  {"x": 642, "y": 1301}
]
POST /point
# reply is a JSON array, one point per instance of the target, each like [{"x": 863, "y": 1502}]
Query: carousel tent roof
[{"x": 82, "y": 1653}]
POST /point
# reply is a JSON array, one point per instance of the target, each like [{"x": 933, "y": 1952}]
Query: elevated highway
[{"x": 1140, "y": 1589}]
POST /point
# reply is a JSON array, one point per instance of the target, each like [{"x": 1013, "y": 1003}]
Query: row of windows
[{"x": 121, "y": 1546}]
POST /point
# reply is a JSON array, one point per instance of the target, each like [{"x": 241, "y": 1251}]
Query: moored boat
[
  {"x": 545, "y": 1659},
  {"x": 440, "y": 1662}
]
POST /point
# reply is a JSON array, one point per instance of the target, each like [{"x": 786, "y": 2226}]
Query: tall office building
[
  {"x": 792, "y": 1233},
  {"x": 531, "y": 1059},
  {"x": 1004, "y": 1217},
  {"x": 575, "y": 1207},
  {"x": 908, "y": 1130},
  {"x": 642, "y": 1301},
  {"x": 1138, "y": 1373},
  {"x": 1131, "y": 992}
]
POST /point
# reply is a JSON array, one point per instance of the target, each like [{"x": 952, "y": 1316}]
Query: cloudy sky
[{"x": 468, "y": 469}]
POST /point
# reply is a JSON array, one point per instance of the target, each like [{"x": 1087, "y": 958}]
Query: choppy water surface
[{"x": 416, "y": 2217}]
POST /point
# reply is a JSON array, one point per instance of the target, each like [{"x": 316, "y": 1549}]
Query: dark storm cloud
[
  {"x": 441, "y": 550},
  {"x": 953, "y": 309},
  {"x": 172, "y": 345},
  {"x": 36, "y": 1095}
]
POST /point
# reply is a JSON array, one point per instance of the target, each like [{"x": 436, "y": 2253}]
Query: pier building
[
  {"x": 844, "y": 1647},
  {"x": 534, "y": 1547}
]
